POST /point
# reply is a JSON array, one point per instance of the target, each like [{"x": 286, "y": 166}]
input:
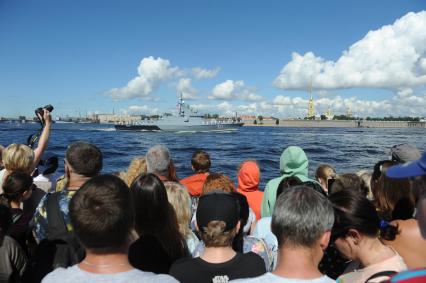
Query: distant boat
[{"x": 183, "y": 122}]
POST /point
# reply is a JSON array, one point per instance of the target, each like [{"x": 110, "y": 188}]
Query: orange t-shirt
[{"x": 195, "y": 183}]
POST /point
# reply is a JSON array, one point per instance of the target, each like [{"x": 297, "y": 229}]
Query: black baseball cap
[{"x": 218, "y": 206}]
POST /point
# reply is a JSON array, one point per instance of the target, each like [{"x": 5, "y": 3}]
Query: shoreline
[{"x": 336, "y": 124}]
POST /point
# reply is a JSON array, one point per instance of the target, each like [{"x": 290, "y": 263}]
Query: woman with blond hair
[
  {"x": 136, "y": 167},
  {"x": 181, "y": 202},
  {"x": 16, "y": 157}
]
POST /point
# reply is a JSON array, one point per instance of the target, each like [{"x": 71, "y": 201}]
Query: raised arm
[{"x": 44, "y": 138}]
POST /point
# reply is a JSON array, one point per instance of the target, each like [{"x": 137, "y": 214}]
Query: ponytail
[{"x": 388, "y": 231}]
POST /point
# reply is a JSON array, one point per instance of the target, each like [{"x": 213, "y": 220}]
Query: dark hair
[
  {"x": 238, "y": 241},
  {"x": 287, "y": 183},
  {"x": 200, "y": 161},
  {"x": 50, "y": 165},
  {"x": 171, "y": 172},
  {"x": 155, "y": 216},
  {"x": 15, "y": 184},
  {"x": 102, "y": 214},
  {"x": 5, "y": 219},
  {"x": 393, "y": 197},
  {"x": 378, "y": 168},
  {"x": 349, "y": 181},
  {"x": 84, "y": 158},
  {"x": 354, "y": 211}
]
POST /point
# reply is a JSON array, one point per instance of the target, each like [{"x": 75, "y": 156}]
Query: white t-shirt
[
  {"x": 272, "y": 278},
  {"x": 75, "y": 274}
]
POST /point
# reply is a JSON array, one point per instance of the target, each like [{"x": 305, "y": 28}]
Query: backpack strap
[
  {"x": 387, "y": 273},
  {"x": 56, "y": 227}
]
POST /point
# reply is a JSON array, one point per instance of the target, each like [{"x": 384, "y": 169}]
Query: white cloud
[
  {"x": 234, "y": 90},
  {"x": 201, "y": 73},
  {"x": 391, "y": 57},
  {"x": 185, "y": 87},
  {"x": 139, "y": 110},
  {"x": 151, "y": 73}
]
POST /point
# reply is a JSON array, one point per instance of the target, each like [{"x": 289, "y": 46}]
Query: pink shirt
[{"x": 395, "y": 263}]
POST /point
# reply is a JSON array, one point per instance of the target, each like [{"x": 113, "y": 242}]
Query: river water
[{"x": 348, "y": 150}]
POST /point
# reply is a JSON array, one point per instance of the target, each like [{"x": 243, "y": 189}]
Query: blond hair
[
  {"x": 136, "y": 167},
  {"x": 178, "y": 197},
  {"x": 18, "y": 157}
]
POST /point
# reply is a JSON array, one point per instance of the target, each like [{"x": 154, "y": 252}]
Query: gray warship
[{"x": 185, "y": 121}]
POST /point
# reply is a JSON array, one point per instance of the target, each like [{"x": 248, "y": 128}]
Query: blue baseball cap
[{"x": 410, "y": 169}]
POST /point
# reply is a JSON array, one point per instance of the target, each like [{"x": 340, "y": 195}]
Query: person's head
[
  {"x": 158, "y": 160},
  {"x": 379, "y": 169},
  {"x": 179, "y": 198},
  {"x": 393, "y": 198},
  {"x": 287, "y": 183},
  {"x": 18, "y": 157},
  {"x": 365, "y": 176},
  {"x": 323, "y": 173},
  {"x": 404, "y": 152},
  {"x": 200, "y": 161},
  {"x": 416, "y": 171},
  {"x": 293, "y": 161},
  {"x": 48, "y": 166},
  {"x": 172, "y": 174},
  {"x": 302, "y": 219},
  {"x": 17, "y": 187},
  {"x": 102, "y": 214},
  {"x": 348, "y": 181},
  {"x": 155, "y": 216},
  {"x": 136, "y": 167},
  {"x": 150, "y": 200},
  {"x": 218, "y": 218},
  {"x": 356, "y": 222},
  {"x": 248, "y": 176},
  {"x": 83, "y": 158},
  {"x": 216, "y": 181}
]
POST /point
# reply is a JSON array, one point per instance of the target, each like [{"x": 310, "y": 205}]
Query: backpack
[{"x": 59, "y": 249}]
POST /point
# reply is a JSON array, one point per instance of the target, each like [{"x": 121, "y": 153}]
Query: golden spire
[{"x": 311, "y": 111}]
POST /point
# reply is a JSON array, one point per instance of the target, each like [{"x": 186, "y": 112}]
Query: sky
[{"x": 226, "y": 57}]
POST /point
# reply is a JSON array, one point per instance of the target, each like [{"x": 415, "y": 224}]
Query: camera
[{"x": 40, "y": 112}]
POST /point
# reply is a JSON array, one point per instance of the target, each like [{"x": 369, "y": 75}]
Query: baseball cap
[
  {"x": 218, "y": 206},
  {"x": 410, "y": 169},
  {"x": 404, "y": 153}
]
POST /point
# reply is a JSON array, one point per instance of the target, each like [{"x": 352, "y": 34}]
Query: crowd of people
[{"x": 146, "y": 225}]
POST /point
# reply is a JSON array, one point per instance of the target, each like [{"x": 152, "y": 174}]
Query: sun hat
[{"x": 410, "y": 169}]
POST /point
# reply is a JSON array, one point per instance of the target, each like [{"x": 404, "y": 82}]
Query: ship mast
[{"x": 180, "y": 103}]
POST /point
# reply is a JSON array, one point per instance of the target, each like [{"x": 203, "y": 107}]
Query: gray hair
[
  {"x": 158, "y": 159},
  {"x": 301, "y": 216}
]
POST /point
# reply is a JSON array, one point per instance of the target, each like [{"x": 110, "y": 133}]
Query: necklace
[{"x": 103, "y": 265}]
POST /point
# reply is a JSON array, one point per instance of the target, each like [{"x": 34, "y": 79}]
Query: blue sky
[{"x": 253, "y": 57}]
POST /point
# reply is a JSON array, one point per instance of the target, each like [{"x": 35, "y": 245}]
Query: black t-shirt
[{"x": 190, "y": 270}]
